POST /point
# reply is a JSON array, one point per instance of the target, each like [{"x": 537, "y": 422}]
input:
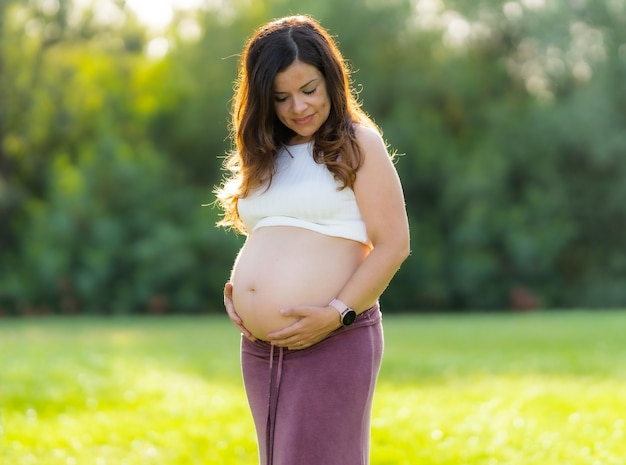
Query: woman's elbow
[
  {"x": 399, "y": 249},
  {"x": 395, "y": 245},
  {"x": 403, "y": 249}
]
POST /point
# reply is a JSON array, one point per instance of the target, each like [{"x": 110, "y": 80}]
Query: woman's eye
[{"x": 305, "y": 92}]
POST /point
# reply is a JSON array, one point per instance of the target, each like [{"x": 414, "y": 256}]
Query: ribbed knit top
[{"x": 304, "y": 194}]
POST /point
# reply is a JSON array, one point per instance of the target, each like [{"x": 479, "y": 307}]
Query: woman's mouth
[{"x": 305, "y": 120}]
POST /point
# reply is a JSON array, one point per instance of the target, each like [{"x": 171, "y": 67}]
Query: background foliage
[{"x": 509, "y": 117}]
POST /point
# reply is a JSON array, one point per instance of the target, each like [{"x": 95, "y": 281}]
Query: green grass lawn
[{"x": 532, "y": 389}]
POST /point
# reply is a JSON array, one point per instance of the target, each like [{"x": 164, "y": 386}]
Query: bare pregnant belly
[{"x": 285, "y": 266}]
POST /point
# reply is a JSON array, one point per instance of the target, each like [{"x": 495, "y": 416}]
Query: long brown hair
[{"x": 255, "y": 128}]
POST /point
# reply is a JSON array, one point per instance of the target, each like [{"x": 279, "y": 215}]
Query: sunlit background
[
  {"x": 502, "y": 346},
  {"x": 508, "y": 118}
]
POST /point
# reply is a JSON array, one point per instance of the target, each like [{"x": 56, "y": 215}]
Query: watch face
[{"x": 349, "y": 317}]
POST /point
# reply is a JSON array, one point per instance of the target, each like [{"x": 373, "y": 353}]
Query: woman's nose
[{"x": 299, "y": 104}]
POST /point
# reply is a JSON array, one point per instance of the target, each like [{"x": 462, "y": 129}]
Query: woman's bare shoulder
[
  {"x": 367, "y": 132},
  {"x": 370, "y": 139}
]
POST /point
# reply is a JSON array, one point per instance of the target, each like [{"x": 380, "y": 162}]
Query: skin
[{"x": 302, "y": 104}]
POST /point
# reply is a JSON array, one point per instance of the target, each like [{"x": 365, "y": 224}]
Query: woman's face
[{"x": 301, "y": 100}]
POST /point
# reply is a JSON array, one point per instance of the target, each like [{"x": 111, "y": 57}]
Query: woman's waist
[{"x": 369, "y": 317}]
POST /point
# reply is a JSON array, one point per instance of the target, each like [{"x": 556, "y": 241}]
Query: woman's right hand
[{"x": 232, "y": 314}]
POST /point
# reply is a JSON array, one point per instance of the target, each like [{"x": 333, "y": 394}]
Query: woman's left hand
[{"x": 313, "y": 325}]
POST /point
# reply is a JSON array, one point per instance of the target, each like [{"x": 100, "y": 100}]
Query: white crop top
[{"x": 304, "y": 194}]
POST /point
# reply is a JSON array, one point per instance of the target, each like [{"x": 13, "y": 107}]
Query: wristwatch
[{"x": 347, "y": 314}]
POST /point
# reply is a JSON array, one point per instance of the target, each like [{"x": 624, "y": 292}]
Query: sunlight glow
[
  {"x": 534, "y": 4},
  {"x": 50, "y": 7},
  {"x": 159, "y": 14},
  {"x": 428, "y": 13},
  {"x": 156, "y": 15},
  {"x": 513, "y": 10},
  {"x": 458, "y": 30},
  {"x": 158, "y": 47}
]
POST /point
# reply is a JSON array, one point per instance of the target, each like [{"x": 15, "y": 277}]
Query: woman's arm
[{"x": 381, "y": 202}]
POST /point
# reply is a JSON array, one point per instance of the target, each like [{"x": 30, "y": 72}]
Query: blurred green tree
[{"x": 507, "y": 117}]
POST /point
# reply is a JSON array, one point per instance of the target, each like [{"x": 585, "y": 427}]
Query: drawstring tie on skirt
[{"x": 272, "y": 407}]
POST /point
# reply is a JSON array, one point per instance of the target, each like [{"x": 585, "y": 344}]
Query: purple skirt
[{"x": 313, "y": 406}]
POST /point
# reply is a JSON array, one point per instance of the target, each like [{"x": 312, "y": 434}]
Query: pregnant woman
[{"x": 315, "y": 191}]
